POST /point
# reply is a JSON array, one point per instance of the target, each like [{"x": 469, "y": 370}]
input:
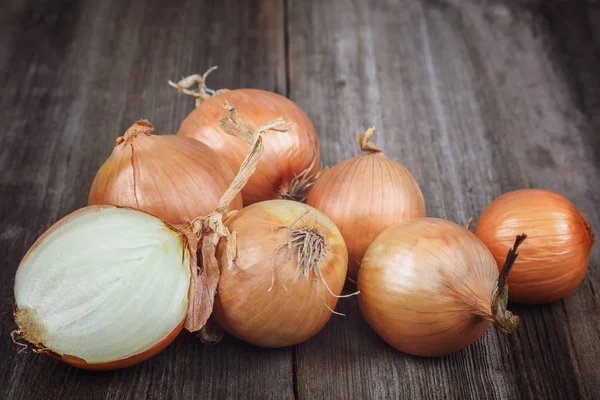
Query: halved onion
[{"x": 104, "y": 288}]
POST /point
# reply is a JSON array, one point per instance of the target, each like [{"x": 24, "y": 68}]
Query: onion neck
[
  {"x": 362, "y": 139},
  {"x": 141, "y": 127},
  {"x": 505, "y": 321}
]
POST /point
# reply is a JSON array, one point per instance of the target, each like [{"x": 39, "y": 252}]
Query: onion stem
[{"x": 505, "y": 321}]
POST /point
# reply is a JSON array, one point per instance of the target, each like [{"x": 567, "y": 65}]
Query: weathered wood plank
[
  {"x": 74, "y": 77},
  {"x": 473, "y": 98}
]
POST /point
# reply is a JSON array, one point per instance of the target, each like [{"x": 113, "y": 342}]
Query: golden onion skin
[
  {"x": 286, "y": 154},
  {"x": 554, "y": 259},
  {"x": 248, "y": 304},
  {"x": 426, "y": 287},
  {"x": 363, "y": 196},
  {"x": 174, "y": 178}
]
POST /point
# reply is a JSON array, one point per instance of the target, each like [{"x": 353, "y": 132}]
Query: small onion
[
  {"x": 429, "y": 287},
  {"x": 555, "y": 260},
  {"x": 290, "y": 159},
  {"x": 364, "y": 196},
  {"x": 104, "y": 288},
  {"x": 288, "y": 273},
  {"x": 173, "y": 177}
]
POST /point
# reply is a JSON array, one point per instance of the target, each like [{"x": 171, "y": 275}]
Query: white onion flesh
[{"x": 105, "y": 285}]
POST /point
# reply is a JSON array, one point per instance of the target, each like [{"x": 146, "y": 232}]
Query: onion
[
  {"x": 290, "y": 161},
  {"x": 172, "y": 177},
  {"x": 107, "y": 287},
  {"x": 104, "y": 288},
  {"x": 365, "y": 195},
  {"x": 429, "y": 287},
  {"x": 287, "y": 276},
  {"x": 555, "y": 260}
]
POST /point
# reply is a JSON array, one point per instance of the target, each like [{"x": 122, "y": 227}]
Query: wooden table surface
[{"x": 476, "y": 98}]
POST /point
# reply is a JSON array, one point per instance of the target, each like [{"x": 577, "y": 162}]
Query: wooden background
[{"x": 475, "y": 97}]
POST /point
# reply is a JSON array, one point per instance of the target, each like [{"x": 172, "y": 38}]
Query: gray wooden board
[{"x": 475, "y": 97}]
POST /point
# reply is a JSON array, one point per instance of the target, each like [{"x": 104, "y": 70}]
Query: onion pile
[
  {"x": 165, "y": 245},
  {"x": 429, "y": 287},
  {"x": 365, "y": 195},
  {"x": 107, "y": 287},
  {"x": 555, "y": 260},
  {"x": 291, "y": 158},
  {"x": 170, "y": 176},
  {"x": 287, "y": 276}
]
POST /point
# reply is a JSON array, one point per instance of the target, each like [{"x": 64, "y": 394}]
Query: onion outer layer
[
  {"x": 290, "y": 158},
  {"x": 266, "y": 297},
  {"x": 429, "y": 287},
  {"x": 555, "y": 259},
  {"x": 365, "y": 195}
]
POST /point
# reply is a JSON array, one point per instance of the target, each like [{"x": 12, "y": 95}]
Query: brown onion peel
[
  {"x": 291, "y": 183},
  {"x": 287, "y": 276},
  {"x": 556, "y": 258},
  {"x": 504, "y": 320},
  {"x": 172, "y": 177},
  {"x": 211, "y": 229},
  {"x": 365, "y": 195}
]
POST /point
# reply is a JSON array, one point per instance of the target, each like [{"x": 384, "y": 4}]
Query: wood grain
[
  {"x": 476, "y": 97},
  {"x": 74, "y": 76}
]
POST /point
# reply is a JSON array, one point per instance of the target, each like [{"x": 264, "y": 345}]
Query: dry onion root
[
  {"x": 289, "y": 165},
  {"x": 556, "y": 257},
  {"x": 107, "y": 287},
  {"x": 173, "y": 177},
  {"x": 429, "y": 287},
  {"x": 365, "y": 195}
]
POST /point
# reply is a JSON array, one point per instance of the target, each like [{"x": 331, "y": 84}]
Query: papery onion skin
[
  {"x": 74, "y": 360},
  {"x": 426, "y": 287},
  {"x": 554, "y": 260},
  {"x": 287, "y": 154},
  {"x": 173, "y": 177},
  {"x": 245, "y": 307},
  {"x": 363, "y": 196}
]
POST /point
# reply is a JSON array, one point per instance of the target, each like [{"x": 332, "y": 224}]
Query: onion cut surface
[{"x": 104, "y": 287}]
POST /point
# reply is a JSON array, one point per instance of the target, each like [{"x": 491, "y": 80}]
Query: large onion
[
  {"x": 365, "y": 195},
  {"x": 173, "y": 177},
  {"x": 555, "y": 260},
  {"x": 290, "y": 159},
  {"x": 104, "y": 288},
  {"x": 429, "y": 287},
  {"x": 289, "y": 270}
]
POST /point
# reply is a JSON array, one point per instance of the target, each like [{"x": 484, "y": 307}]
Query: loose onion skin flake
[
  {"x": 291, "y": 158},
  {"x": 287, "y": 276},
  {"x": 172, "y": 177},
  {"x": 364, "y": 196},
  {"x": 104, "y": 288},
  {"x": 555, "y": 260},
  {"x": 429, "y": 287}
]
